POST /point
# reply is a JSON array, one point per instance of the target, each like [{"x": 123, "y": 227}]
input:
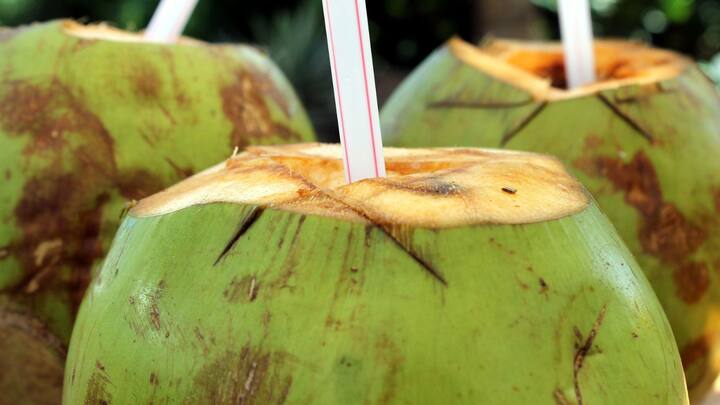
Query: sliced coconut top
[
  {"x": 104, "y": 32},
  {"x": 538, "y": 67},
  {"x": 433, "y": 188}
]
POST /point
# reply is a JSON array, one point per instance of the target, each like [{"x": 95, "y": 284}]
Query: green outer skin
[
  {"x": 87, "y": 125},
  {"x": 341, "y": 314},
  {"x": 602, "y": 139}
]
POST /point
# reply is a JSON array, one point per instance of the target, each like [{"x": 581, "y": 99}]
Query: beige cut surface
[
  {"x": 432, "y": 188},
  {"x": 538, "y": 67},
  {"x": 104, "y": 32}
]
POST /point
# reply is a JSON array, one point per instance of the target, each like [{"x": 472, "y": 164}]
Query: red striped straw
[
  {"x": 169, "y": 20},
  {"x": 354, "y": 82}
]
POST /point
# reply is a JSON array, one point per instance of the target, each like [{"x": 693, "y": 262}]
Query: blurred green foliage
[
  {"x": 688, "y": 26},
  {"x": 712, "y": 68}
]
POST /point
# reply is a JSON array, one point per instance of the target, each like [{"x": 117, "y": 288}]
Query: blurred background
[{"x": 403, "y": 32}]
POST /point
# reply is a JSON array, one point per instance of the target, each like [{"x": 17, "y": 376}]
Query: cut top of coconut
[
  {"x": 429, "y": 188},
  {"x": 538, "y": 67},
  {"x": 104, "y": 32}
]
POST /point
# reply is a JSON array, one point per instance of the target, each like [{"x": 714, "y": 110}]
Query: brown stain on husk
[
  {"x": 665, "y": 232},
  {"x": 56, "y": 209},
  {"x": 50, "y": 113},
  {"x": 692, "y": 281},
  {"x": 138, "y": 184},
  {"x": 266, "y": 85},
  {"x": 97, "y": 391},
  {"x": 245, "y": 289},
  {"x": 62, "y": 203},
  {"x": 245, "y": 106},
  {"x": 250, "y": 376},
  {"x": 146, "y": 81},
  {"x": 695, "y": 360},
  {"x": 388, "y": 354}
]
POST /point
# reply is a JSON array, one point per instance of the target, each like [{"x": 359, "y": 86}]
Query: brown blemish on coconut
[
  {"x": 695, "y": 360},
  {"x": 51, "y": 214},
  {"x": 200, "y": 337},
  {"x": 245, "y": 106},
  {"x": 268, "y": 86},
  {"x": 716, "y": 199},
  {"x": 692, "y": 281},
  {"x": 144, "y": 316},
  {"x": 62, "y": 205},
  {"x": 177, "y": 84},
  {"x": 47, "y": 114},
  {"x": 560, "y": 398},
  {"x": 664, "y": 232},
  {"x": 245, "y": 288},
  {"x": 22, "y": 111},
  {"x": 97, "y": 392},
  {"x": 587, "y": 162},
  {"x": 155, "y": 316},
  {"x": 138, "y": 184},
  {"x": 146, "y": 81},
  {"x": 154, "y": 301},
  {"x": 250, "y": 376},
  {"x": 670, "y": 236},
  {"x": 154, "y": 380},
  {"x": 389, "y": 355}
]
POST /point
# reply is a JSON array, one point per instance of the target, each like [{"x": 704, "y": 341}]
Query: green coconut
[
  {"x": 644, "y": 140},
  {"x": 467, "y": 276},
  {"x": 92, "y": 117}
]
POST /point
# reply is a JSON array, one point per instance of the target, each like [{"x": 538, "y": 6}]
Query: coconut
[
  {"x": 91, "y": 117},
  {"x": 465, "y": 276},
  {"x": 643, "y": 140}
]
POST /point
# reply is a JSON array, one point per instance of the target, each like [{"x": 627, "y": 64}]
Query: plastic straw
[
  {"x": 354, "y": 82},
  {"x": 169, "y": 20},
  {"x": 577, "y": 37}
]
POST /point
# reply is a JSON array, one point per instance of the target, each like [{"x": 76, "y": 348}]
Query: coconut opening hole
[
  {"x": 321, "y": 165},
  {"x": 329, "y": 173},
  {"x": 613, "y": 60}
]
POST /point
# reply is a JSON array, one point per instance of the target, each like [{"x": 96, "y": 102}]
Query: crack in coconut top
[
  {"x": 432, "y": 188},
  {"x": 538, "y": 67}
]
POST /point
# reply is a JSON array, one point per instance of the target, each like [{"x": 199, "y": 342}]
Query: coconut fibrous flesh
[
  {"x": 91, "y": 118},
  {"x": 466, "y": 276},
  {"x": 644, "y": 140}
]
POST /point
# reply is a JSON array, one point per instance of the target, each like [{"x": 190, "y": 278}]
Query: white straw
[
  {"x": 577, "y": 37},
  {"x": 169, "y": 20},
  {"x": 354, "y": 82}
]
